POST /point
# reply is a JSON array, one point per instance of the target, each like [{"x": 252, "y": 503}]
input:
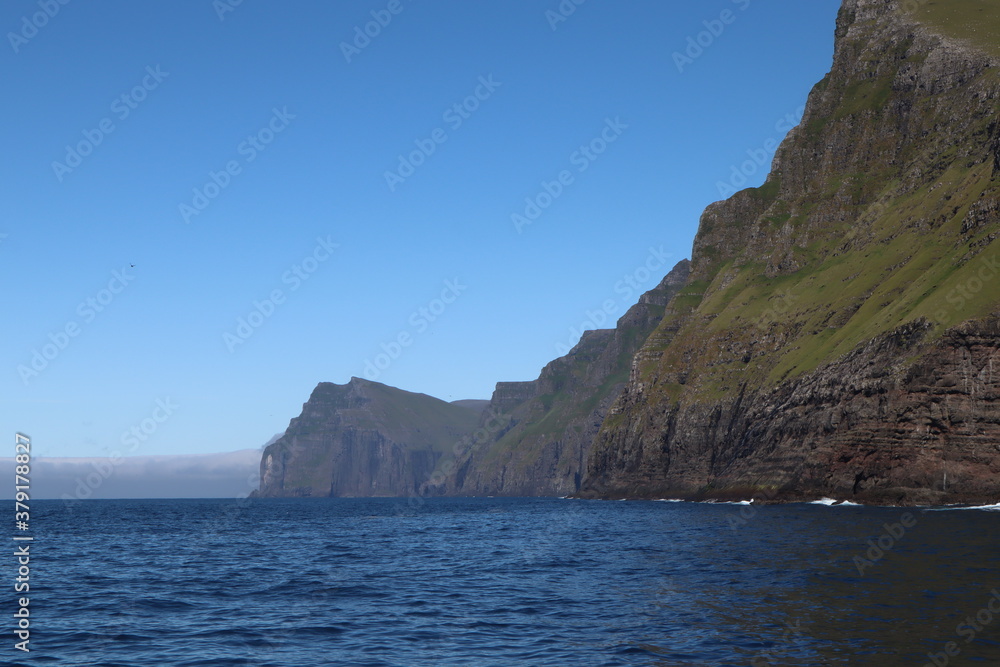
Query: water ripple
[{"x": 552, "y": 583}]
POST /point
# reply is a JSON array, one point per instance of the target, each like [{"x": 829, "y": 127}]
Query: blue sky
[{"x": 337, "y": 201}]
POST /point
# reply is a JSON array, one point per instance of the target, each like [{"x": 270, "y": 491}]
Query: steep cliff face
[
  {"x": 836, "y": 336},
  {"x": 544, "y": 428},
  {"x": 363, "y": 439}
]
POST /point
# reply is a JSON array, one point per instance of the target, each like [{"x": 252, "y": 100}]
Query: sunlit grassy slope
[
  {"x": 915, "y": 251},
  {"x": 976, "y": 21}
]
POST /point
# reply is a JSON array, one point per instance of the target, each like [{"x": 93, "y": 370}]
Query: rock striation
[
  {"x": 843, "y": 329},
  {"x": 834, "y": 334}
]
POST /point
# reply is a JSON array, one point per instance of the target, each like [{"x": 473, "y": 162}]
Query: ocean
[{"x": 363, "y": 582}]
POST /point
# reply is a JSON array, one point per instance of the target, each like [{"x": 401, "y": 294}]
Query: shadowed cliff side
[
  {"x": 363, "y": 439},
  {"x": 550, "y": 423},
  {"x": 532, "y": 438}
]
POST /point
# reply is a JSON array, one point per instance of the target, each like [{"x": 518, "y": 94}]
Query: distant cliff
[
  {"x": 550, "y": 423},
  {"x": 366, "y": 439},
  {"x": 844, "y": 333},
  {"x": 363, "y": 439}
]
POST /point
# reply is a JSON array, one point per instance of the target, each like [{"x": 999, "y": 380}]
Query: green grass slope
[
  {"x": 882, "y": 211},
  {"x": 916, "y": 232},
  {"x": 974, "y": 21}
]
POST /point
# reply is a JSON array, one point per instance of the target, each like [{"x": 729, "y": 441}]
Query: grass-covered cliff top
[
  {"x": 974, "y": 21},
  {"x": 407, "y": 418}
]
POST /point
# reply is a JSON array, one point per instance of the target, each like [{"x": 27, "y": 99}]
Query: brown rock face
[
  {"x": 860, "y": 429},
  {"x": 834, "y": 334},
  {"x": 839, "y": 331}
]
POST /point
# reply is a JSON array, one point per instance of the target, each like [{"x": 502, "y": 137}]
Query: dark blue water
[{"x": 299, "y": 583}]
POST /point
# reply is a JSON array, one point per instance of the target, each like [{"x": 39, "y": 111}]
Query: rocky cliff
[
  {"x": 363, "y": 439},
  {"x": 838, "y": 332},
  {"x": 834, "y": 334},
  {"x": 543, "y": 429},
  {"x": 532, "y": 438}
]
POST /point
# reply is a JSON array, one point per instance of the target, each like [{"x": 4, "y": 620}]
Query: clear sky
[{"x": 269, "y": 162}]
